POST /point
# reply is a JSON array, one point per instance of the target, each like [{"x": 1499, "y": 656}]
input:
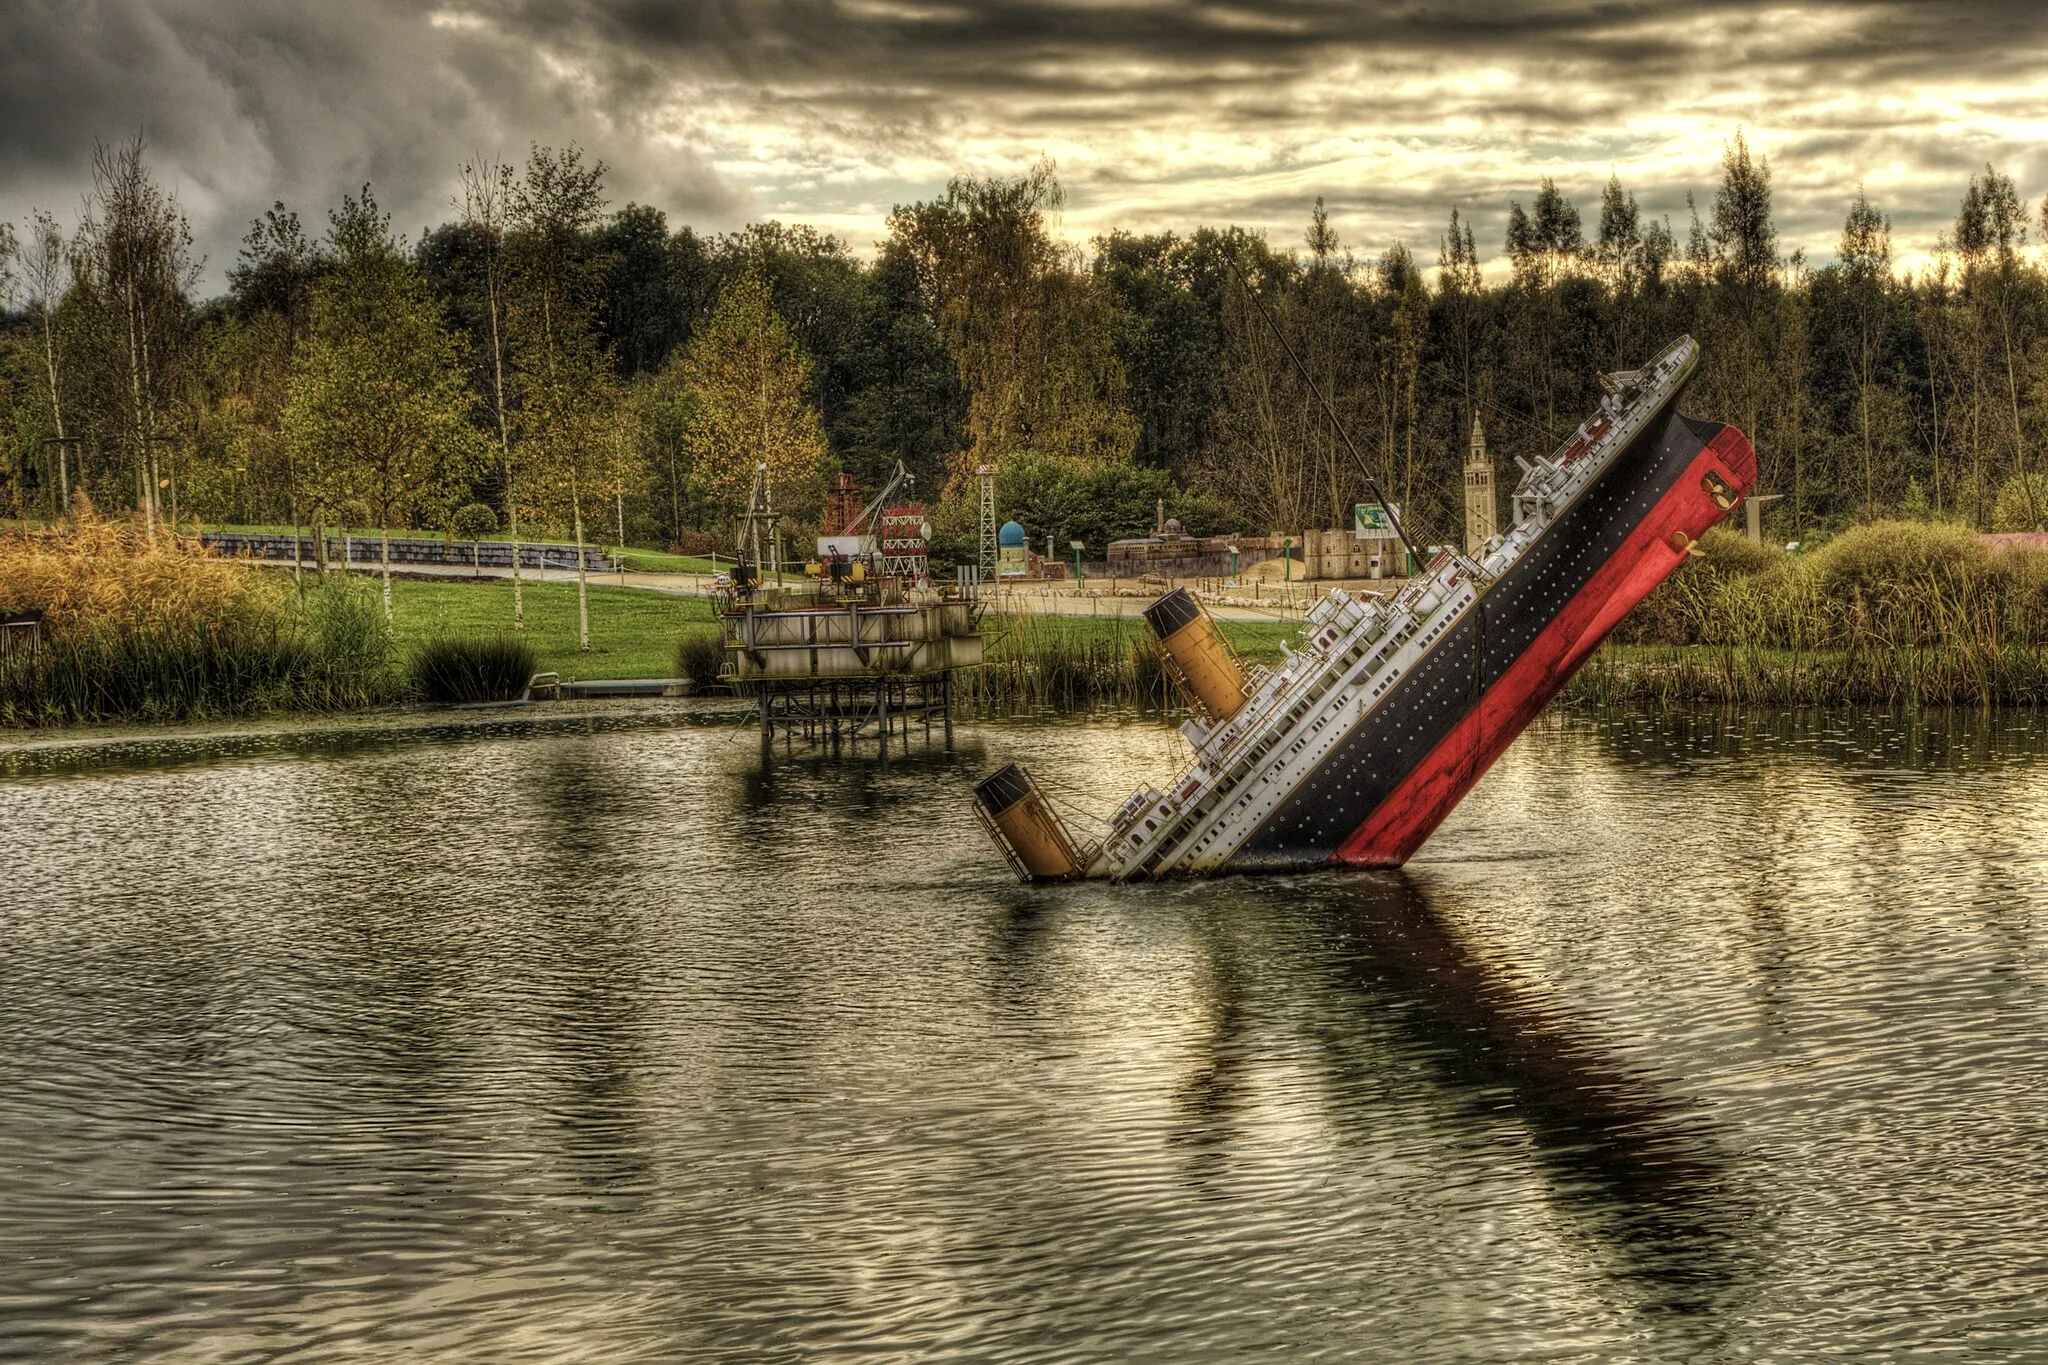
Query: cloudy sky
[{"x": 1159, "y": 113}]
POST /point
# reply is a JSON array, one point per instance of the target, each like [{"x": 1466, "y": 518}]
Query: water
[{"x": 1688, "y": 1037}]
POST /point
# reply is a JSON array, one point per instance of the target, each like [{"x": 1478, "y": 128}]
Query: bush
[
  {"x": 2022, "y": 504},
  {"x": 473, "y": 521},
  {"x": 352, "y": 661},
  {"x": 1890, "y": 556},
  {"x": 457, "y": 670},
  {"x": 169, "y": 632},
  {"x": 700, "y": 653}
]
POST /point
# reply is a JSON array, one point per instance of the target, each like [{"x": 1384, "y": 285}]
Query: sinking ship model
[{"x": 1355, "y": 748}]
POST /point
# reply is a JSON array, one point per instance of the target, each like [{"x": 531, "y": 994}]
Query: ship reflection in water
[
  {"x": 602, "y": 1041},
  {"x": 1639, "y": 1171}
]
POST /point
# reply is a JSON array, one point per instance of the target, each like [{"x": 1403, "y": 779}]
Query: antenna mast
[{"x": 1328, "y": 411}]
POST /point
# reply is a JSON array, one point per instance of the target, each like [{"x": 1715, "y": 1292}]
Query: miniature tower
[
  {"x": 986, "y": 474},
  {"x": 1479, "y": 523}
]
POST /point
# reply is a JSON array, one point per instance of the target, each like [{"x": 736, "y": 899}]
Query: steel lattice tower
[{"x": 987, "y": 475}]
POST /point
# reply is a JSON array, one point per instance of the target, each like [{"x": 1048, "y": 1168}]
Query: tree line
[{"x": 544, "y": 364}]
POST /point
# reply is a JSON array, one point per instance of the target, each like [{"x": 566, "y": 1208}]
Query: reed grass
[
  {"x": 164, "y": 631},
  {"x": 1039, "y": 664},
  {"x": 700, "y": 653},
  {"x": 466, "y": 670},
  {"x": 1895, "y": 613}
]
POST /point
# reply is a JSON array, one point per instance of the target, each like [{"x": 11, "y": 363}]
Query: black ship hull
[{"x": 1384, "y": 788}]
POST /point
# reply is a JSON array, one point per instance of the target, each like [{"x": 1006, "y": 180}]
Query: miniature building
[
  {"x": 849, "y": 660},
  {"x": 1479, "y": 503},
  {"x": 1013, "y": 558}
]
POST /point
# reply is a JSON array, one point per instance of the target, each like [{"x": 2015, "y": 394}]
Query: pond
[{"x": 1690, "y": 1035}]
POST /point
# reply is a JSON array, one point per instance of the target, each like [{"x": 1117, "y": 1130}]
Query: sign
[{"x": 1371, "y": 521}]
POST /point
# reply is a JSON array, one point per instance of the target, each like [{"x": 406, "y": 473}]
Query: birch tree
[
  {"x": 751, "y": 391},
  {"x": 45, "y": 268},
  {"x": 135, "y": 249},
  {"x": 564, "y": 389},
  {"x": 486, "y": 198},
  {"x": 378, "y": 407}
]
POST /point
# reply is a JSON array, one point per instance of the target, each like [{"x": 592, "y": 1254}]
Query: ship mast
[{"x": 1328, "y": 411}]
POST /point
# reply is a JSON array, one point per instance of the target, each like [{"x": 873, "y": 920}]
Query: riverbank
[{"x": 1935, "y": 676}]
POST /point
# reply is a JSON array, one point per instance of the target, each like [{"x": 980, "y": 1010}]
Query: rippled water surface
[{"x": 1689, "y": 1036}]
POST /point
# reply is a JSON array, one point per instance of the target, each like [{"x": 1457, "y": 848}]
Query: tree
[
  {"x": 1744, "y": 238},
  {"x": 378, "y": 411},
  {"x": 1865, "y": 256},
  {"x": 751, "y": 392},
  {"x": 45, "y": 265},
  {"x": 486, "y": 196},
  {"x": 1032, "y": 339},
  {"x": 134, "y": 259},
  {"x": 1990, "y": 235},
  {"x": 276, "y": 270},
  {"x": 245, "y": 368},
  {"x": 566, "y": 397}
]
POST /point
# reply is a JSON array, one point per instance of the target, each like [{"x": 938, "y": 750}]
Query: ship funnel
[
  {"x": 1197, "y": 652},
  {"x": 1017, "y": 816}
]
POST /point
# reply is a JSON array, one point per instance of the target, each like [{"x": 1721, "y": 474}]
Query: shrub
[
  {"x": 1889, "y": 556},
  {"x": 352, "y": 662},
  {"x": 2022, "y": 504},
  {"x": 473, "y": 521},
  {"x": 169, "y": 632},
  {"x": 700, "y": 652},
  {"x": 460, "y": 670}
]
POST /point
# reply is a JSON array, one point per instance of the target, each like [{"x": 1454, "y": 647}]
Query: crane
[{"x": 898, "y": 478}]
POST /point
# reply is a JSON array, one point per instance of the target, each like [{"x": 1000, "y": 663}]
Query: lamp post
[{"x": 1077, "y": 561}]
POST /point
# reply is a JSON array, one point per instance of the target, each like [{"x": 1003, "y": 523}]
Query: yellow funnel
[{"x": 1206, "y": 664}]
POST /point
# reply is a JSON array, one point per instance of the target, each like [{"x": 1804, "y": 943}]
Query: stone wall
[{"x": 409, "y": 551}]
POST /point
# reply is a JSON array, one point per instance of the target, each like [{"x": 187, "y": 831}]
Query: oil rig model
[
  {"x": 862, "y": 647},
  {"x": 1355, "y": 748}
]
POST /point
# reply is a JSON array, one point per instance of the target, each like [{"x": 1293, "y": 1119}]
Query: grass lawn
[
  {"x": 656, "y": 561},
  {"x": 632, "y": 631},
  {"x": 1260, "y": 640}
]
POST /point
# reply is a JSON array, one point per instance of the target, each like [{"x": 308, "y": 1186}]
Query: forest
[{"x": 546, "y": 364}]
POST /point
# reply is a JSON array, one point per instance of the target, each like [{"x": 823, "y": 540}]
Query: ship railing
[{"x": 1653, "y": 373}]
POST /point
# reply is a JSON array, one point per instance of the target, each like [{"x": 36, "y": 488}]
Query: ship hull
[{"x": 1384, "y": 789}]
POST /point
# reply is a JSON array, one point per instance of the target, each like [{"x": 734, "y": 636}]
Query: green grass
[
  {"x": 655, "y": 561},
  {"x": 1259, "y": 641},
  {"x": 633, "y": 631}
]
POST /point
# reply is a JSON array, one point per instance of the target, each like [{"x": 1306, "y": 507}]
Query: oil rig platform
[
  {"x": 865, "y": 647},
  {"x": 847, "y": 662}
]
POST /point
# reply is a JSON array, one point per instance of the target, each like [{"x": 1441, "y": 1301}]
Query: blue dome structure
[{"x": 1011, "y": 534}]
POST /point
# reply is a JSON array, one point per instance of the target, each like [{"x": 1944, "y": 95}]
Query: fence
[{"x": 21, "y": 635}]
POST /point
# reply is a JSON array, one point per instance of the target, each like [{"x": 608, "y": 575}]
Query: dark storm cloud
[
  {"x": 1160, "y": 113},
  {"x": 243, "y": 102}
]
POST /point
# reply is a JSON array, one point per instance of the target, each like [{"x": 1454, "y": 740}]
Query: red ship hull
[
  {"x": 1392, "y": 781},
  {"x": 1656, "y": 547}
]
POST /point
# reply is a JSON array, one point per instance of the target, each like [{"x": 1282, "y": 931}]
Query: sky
[{"x": 1158, "y": 115}]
